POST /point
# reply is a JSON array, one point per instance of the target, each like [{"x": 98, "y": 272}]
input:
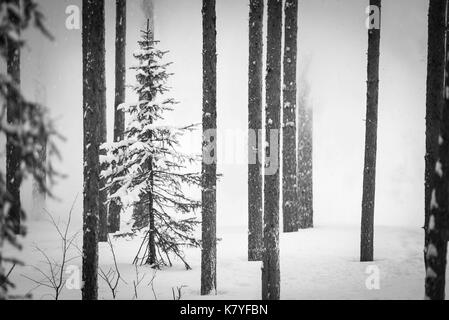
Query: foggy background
[{"x": 332, "y": 45}]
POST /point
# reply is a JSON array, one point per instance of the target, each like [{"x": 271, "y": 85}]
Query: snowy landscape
[
  {"x": 139, "y": 138},
  {"x": 315, "y": 264}
]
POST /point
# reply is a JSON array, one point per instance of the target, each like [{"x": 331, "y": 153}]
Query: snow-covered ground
[{"x": 315, "y": 264}]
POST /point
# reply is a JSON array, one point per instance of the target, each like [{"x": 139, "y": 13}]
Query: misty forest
[{"x": 224, "y": 149}]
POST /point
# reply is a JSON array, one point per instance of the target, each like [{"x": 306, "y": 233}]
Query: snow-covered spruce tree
[
  {"x": 147, "y": 169},
  {"x": 24, "y": 132}
]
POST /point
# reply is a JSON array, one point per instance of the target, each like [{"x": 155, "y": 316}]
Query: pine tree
[
  {"x": 14, "y": 114},
  {"x": 144, "y": 207},
  {"x": 437, "y": 227},
  {"x": 93, "y": 38},
  {"x": 146, "y": 168},
  {"x": 369, "y": 174},
  {"x": 271, "y": 266},
  {"x": 255, "y": 170},
  {"x": 209, "y": 169},
  {"x": 33, "y": 127},
  {"x": 289, "y": 174},
  {"x": 120, "y": 90},
  {"x": 435, "y": 95}
]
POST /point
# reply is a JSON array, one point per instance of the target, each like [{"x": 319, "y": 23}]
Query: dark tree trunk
[
  {"x": 13, "y": 156},
  {"x": 271, "y": 266},
  {"x": 93, "y": 91},
  {"x": 305, "y": 166},
  {"x": 209, "y": 168},
  {"x": 120, "y": 90},
  {"x": 289, "y": 174},
  {"x": 369, "y": 174},
  {"x": 255, "y": 89},
  {"x": 435, "y": 95},
  {"x": 103, "y": 194},
  {"x": 437, "y": 227}
]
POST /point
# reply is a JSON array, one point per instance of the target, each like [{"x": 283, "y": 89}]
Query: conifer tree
[
  {"x": 14, "y": 114},
  {"x": 26, "y": 134},
  {"x": 147, "y": 168}
]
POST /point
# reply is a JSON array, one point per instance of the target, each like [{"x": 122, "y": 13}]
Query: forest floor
[{"x": 320, "y": 263}]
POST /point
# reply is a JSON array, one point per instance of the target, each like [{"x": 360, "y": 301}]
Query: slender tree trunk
[
  {"x": 369, "y": 174},
  {"x": 255, "y": 89},
  {"x": 305, "y": 166},
  {"x": 93, "y": 90},
  {"x": 289, "y": 174},
  {"x": 115, "y": 206},
  {"x": 209, "y": 166},
  {"x": 271, "y": 266},
  {"x": 435, "y": 96},
  {"x": 13, "y": 156},
  {"x": 437, "y": 227},
  {"x": 103, "y": 194}
]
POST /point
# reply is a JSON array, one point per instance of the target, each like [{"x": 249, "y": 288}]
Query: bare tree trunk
[
  {"x": 437, "y": 227},
  {"x": 115, "y": 206},
  {"x": 13, "y": 156},
  {"x": 93, "y": 91},
  {"x": 435, "y": 96},
  {"x": 103, "y": 194},
  {"x": 209, "y": 168},
  {"x": 271, "y": 267},
  {"x": 289, "y": 173},
  {"x": 305, "y": 166},
  {"x": 369, "y": 174},
  {"x": 255, "y": 170}
]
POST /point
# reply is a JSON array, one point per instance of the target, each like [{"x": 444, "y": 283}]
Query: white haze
[{"x": 332, "y": 38}]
